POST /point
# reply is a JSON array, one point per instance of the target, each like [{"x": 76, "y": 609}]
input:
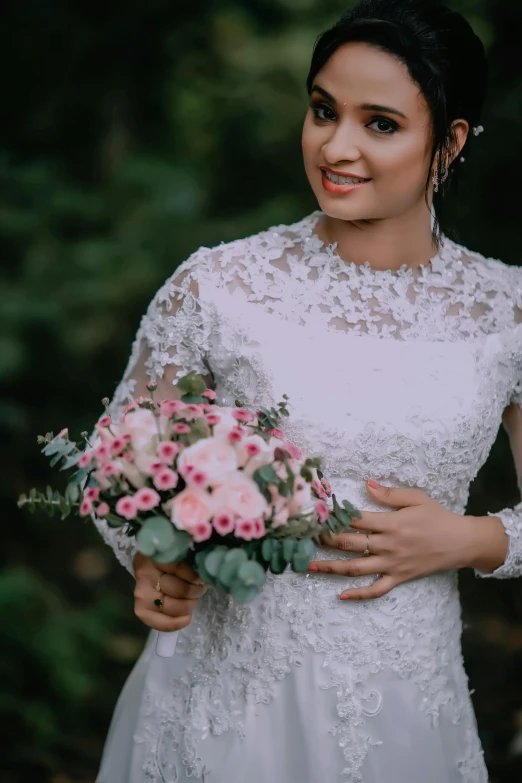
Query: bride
[{"x": 401, "y": 353}]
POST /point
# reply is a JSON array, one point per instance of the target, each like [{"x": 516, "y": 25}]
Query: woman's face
[{"x": 367, "y": 119}]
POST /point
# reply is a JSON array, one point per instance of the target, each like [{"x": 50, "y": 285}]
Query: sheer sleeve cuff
[{"x": 512, "y": 520}]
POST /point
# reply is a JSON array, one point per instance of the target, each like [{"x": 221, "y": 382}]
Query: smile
[{"x": 336, "y": 184}]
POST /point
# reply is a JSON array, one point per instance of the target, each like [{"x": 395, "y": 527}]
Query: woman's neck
[{"x": 386, "y": 244}]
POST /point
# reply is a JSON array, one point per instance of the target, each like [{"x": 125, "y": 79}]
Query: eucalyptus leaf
[
  {"x": 251, "y": 574},
  {"x": 277, "y": 563},
  {"x": 289, "y": 546},
  {"x": 214, "y": 559},
  {"x": 267, "y": 548},
  {"x": 156, "y": 535},
  {"x": 300, "y": 562},
  {"x": 243, "y": 594},
  {"x": 305, "y": 547}
]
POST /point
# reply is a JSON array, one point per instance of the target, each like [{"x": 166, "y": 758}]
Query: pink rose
[
  {"x": 201, "y": 531},
  {"x": 85, "y": 507},
  {"x": 242, "y": 414},
  {"x": 105, "y": 421},
  {"x": 213, "y": 418},
  {"x": 102, "y": 453},
  {"x": 102, "y": 510},
  {"x": 213, "y": 457},
  {"x": 63, "y": 432},
  {"x": 180, "y": 428},
  {"x": 277, "y": 433},
  {"x": 169, "y": 407},
  {"x": 321, "y": 510},
  {"x": 198, "y": 478},
  {"x": 240, "y": 495},
  {"x": 260, "y": 529},
  {"x": 227, "y": 422},
  {"x": 146, "y": 499},
  {"x": 110, "y": 469},
  {"x": 252, "y": 461},
  {"x": 191, "y": 507},
  {"x": 167, "y": 451},
  {"x": 245, "y": 529},
  {"x": 85, "y": 460},
  {"x": 117, "y": 446},
  {"x": 165, "y": 479},
  {"x": 126, "y": 507},
  {"x": 223, "y": 523},
  {"x": 235, "y": 435},
  {"x": 210, "y": 394},
  {"x": 92, "y": 493}
]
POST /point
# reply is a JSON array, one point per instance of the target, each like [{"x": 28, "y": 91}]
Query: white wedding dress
[{"x": 402, "y": 376}]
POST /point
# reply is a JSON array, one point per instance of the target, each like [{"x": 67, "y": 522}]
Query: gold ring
[
  {"x": 367, "y": 550},
  {"x": 159, "y": 601}
]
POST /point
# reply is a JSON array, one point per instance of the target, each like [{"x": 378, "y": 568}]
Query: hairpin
[{"x": 477, "y": 130}]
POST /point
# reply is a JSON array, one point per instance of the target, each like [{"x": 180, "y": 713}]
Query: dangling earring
[{"x": 435, "y": 178}]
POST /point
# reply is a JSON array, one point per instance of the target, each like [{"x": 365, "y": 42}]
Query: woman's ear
[{"x": 460, "y": 130}]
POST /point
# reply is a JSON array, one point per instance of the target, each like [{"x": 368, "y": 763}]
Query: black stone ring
[{"x": 158, "y": 602}]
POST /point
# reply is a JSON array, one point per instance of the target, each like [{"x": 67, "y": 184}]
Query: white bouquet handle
[{"x": 166, "y": 643}]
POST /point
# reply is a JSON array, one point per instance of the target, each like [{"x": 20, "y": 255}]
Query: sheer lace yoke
[{"x": 292, "y": 273}]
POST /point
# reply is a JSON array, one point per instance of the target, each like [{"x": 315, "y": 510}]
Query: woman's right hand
[{"x": 181, "y": 588}]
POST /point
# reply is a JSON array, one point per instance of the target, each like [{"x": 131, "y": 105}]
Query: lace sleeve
[
  {"x": 512, "y": 517},
  {"x": 173, "y": 338}
]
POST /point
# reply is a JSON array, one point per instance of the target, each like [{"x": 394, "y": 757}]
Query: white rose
[{"x": 215, "y": 458}]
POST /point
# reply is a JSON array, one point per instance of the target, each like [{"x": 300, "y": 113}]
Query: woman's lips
[{"x": 332, "y": 187}]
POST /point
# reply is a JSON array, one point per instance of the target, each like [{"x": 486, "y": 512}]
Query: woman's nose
[{"x": 341, "y": 147}]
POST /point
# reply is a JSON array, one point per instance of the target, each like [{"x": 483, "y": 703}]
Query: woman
[{"x": 401, "y": 352}]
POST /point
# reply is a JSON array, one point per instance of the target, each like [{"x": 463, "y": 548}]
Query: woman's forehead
[{"x": 359, "y": 73}]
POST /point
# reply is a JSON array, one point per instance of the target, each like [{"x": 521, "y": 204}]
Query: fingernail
[
  {"x": 313, "y": 567},
  {"x": 373, "y": 484},
  {"x": 344, "y": 597}
]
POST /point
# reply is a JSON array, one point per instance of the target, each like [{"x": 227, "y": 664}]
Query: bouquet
[{"x": 218, "y": 487}]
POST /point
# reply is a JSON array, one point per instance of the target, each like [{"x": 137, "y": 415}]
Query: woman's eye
[
  {"x": 321, "y": 107},
  {"x": 383, "y": 126}
]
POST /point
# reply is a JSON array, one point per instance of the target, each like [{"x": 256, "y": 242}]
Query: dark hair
[{"x": 443, "y": 56}]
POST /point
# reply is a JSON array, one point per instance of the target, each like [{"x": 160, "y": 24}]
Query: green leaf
[
  {"x": 289, "y": 546},
  {"x": 300, "y": 562},
  {"x": 268, "y": 474},
  {"x": 277, "y": 563},
  {"x": 268, "y": 547},
  {"x": 243, "y": 594},
  {"x": 55, "y": 459},
  {"x": 70, "y": 462},
  {"x": 155, "y": 536},
  {"x": 178, "y": 551},
  {"x": 230, "y": 566},
  {"x": 214, "y": 559},
  {"x": 306, "y": 547},
  {"x": 199, "y": 567},
  {"x": 251, "y": 574}
]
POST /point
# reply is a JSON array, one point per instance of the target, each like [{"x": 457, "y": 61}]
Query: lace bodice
[{"x": 402, "y": 376}]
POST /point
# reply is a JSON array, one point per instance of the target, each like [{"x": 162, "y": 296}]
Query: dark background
[{"x": 132, "y": 134}]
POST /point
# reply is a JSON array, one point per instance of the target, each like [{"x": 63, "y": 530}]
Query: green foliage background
[{"x": 131, "y": 136}]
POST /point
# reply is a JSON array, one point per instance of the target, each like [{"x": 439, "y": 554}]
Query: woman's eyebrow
[{"x": 363, "y": 106}]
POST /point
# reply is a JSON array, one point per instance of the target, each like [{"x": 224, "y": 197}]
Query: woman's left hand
[{"x": 420, "y": 538}]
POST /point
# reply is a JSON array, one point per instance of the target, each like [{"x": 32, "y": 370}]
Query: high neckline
[{"x": 317, "y": 245}]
